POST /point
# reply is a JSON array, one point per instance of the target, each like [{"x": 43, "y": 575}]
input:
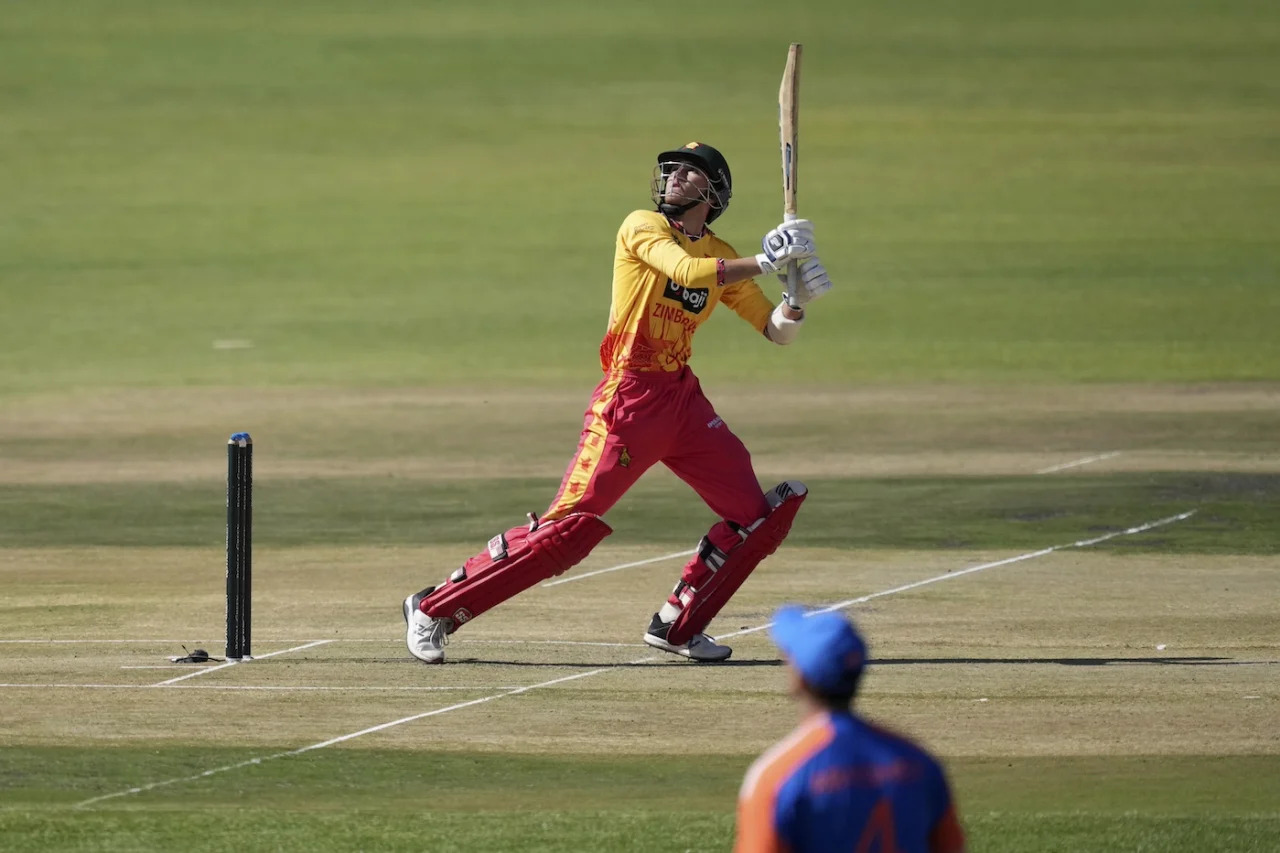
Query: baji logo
[{"x": 693, "y": 301}]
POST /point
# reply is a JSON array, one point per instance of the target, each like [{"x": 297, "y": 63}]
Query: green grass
[
  {"x": 1003, "y": 191},
  {"x": 350, "y": 798},
  {"x": 194, "y": 827},
  {"x": 411, "y": 828},
  {"x": 1233, "y": 512},
  {"x": 422, "y": 194}
]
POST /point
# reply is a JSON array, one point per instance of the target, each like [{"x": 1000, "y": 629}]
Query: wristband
[{"x": 783, "y": 330}]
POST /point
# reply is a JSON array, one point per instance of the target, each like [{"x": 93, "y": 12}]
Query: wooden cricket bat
[{"x": 788, "y": 128}]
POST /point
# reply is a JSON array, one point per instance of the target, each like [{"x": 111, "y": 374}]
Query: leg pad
[
  {"x": 512, "y": 562},
  {"x": 721, "y": 572}
]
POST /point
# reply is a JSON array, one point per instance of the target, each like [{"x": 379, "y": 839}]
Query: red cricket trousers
[
  {"x": 638, "y": 419},
  {"x": 634, "y": 421}
]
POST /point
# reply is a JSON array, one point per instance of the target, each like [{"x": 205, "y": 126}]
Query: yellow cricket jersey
[{"x": 665, "y": 285}]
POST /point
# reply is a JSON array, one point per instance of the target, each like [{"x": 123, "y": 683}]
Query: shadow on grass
[
  {"x": 1168, "y": 661},
  {"x": 746, "y": 662},
  {"x": 648, "y": 664}
]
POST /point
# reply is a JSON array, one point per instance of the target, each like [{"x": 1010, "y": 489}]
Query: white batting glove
[
  {"x": 812, "y": 282},
  {"x": 790, "y": 241}
]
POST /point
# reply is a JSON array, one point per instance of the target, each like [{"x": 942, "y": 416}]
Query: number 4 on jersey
[{"x": 879, "y": 835}]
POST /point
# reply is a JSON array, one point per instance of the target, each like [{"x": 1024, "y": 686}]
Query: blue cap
[{"x": 824, "y": 647}]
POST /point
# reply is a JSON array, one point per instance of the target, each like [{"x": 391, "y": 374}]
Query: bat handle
[
  {"x": 793, "y": 268},
  {"x": 793, "y": 275}
]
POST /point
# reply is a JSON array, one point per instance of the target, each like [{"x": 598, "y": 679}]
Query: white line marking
[
  {"x": 623, "y": 566},
  {"x": 342, "y": 738},
  {"x": 556, "y": 643},
  {"x": 613, "y": 667},
  {"x": 388, "y": 640},
  {"x": 1030, "y": 555},
  {"x": 194, "y": 674},
  {"x": 235, "y": 662},
  {"x": 1078, "y": 462},
  {"x": 279, "y": 687},
  {"x": 96, "y": 640},
  {"x": 162, "y": 666}
]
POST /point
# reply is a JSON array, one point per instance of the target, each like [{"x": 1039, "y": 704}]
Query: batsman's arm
[
  {"x": 676, "y": 264},
  {"x": 664, "y": 254},
  {"x": 783, "y": 322},
  {"x": 779, "y": 324},
  {"x": 740, "y": 269},
  {"x": 650, "y": 241}
]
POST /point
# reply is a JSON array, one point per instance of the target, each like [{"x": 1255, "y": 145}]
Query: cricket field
[{"x": 1039, "y": 415}]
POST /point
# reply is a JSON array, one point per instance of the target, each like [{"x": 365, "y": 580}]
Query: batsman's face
[{"x": 687, "y": 184}]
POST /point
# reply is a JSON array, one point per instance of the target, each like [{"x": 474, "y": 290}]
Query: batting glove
[
  {"x": 790, "y": 241},
  {"x": 812, "y": 282}
]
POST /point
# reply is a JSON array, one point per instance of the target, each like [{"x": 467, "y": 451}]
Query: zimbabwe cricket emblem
[{"x": 624, "y": 458}]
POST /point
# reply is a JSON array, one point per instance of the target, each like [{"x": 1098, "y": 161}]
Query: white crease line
[
  {"x": 388, "y": 640},
  {"x": 160, "y": 666},
  {"x": 1079, "y": 544},
  {"x": 1078, "y": 462},
  {"x": 1030, "y": 555},
  {"x": 623, "y": 566},
  {"x": 96, "y": 640},
  {"x": 324, "y": 743},
  {"x": 555, "y": 643},
  {"x": 235, "y": 662},
  {"x": 284, "y": 688}
]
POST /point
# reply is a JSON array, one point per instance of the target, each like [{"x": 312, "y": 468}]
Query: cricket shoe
[
  {"x": 700, "y": 647},
  {"x": 425, "y": 636}
]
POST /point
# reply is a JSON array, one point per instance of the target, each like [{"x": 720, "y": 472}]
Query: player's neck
[
  {"x": 692, "y": 224},
  {"x": 810, "y": 708}
]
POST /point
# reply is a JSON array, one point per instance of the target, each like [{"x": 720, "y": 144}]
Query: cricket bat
[{"x": 788, "y": 127}]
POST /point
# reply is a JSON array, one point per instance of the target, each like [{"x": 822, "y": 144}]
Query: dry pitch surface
[
  {"x": 1072, "y": 653},
  {"x": 1068, "y": 653}
]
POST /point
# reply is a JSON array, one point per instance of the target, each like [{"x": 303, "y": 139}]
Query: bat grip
[
  {"x": 793, "y": 268},
  {"x": 793, "y": 276}
]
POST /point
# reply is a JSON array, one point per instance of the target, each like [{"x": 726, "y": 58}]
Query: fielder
[
  {"x": 837, "y": 782},
  {"x": 669, "y": 273}
]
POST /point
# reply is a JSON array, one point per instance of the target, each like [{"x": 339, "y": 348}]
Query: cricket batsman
[{"x": 670, "y": 270}]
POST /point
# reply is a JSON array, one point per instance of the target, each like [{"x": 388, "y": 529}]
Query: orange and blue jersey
[
  {"x": 838, "y": 783},
  {"x": 665, "y": 285}
]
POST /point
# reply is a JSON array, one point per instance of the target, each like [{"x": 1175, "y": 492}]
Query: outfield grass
[
  {"x": 1233, "y": 512},
  {"x": 555, "y": 804},
  {"x": 1003, "y": 192},
  {"x": 379, "y": 240}
]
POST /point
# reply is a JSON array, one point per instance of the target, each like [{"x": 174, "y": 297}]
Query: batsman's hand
[
  {"x": 812, "y": 282},
  {"x": 790, "y": 241}
]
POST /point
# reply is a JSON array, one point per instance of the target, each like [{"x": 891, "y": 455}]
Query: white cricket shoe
[
  {"x": 426, "y": 637},
  {"x": 700, "y": 647}
]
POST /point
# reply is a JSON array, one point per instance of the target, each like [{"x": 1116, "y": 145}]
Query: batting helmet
[{"x": 705, "y": 159}]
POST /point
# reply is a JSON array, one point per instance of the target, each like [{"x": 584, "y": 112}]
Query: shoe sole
[
  {"x": 406, "y": 609},
  {"x": 682, "y": 651}
]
